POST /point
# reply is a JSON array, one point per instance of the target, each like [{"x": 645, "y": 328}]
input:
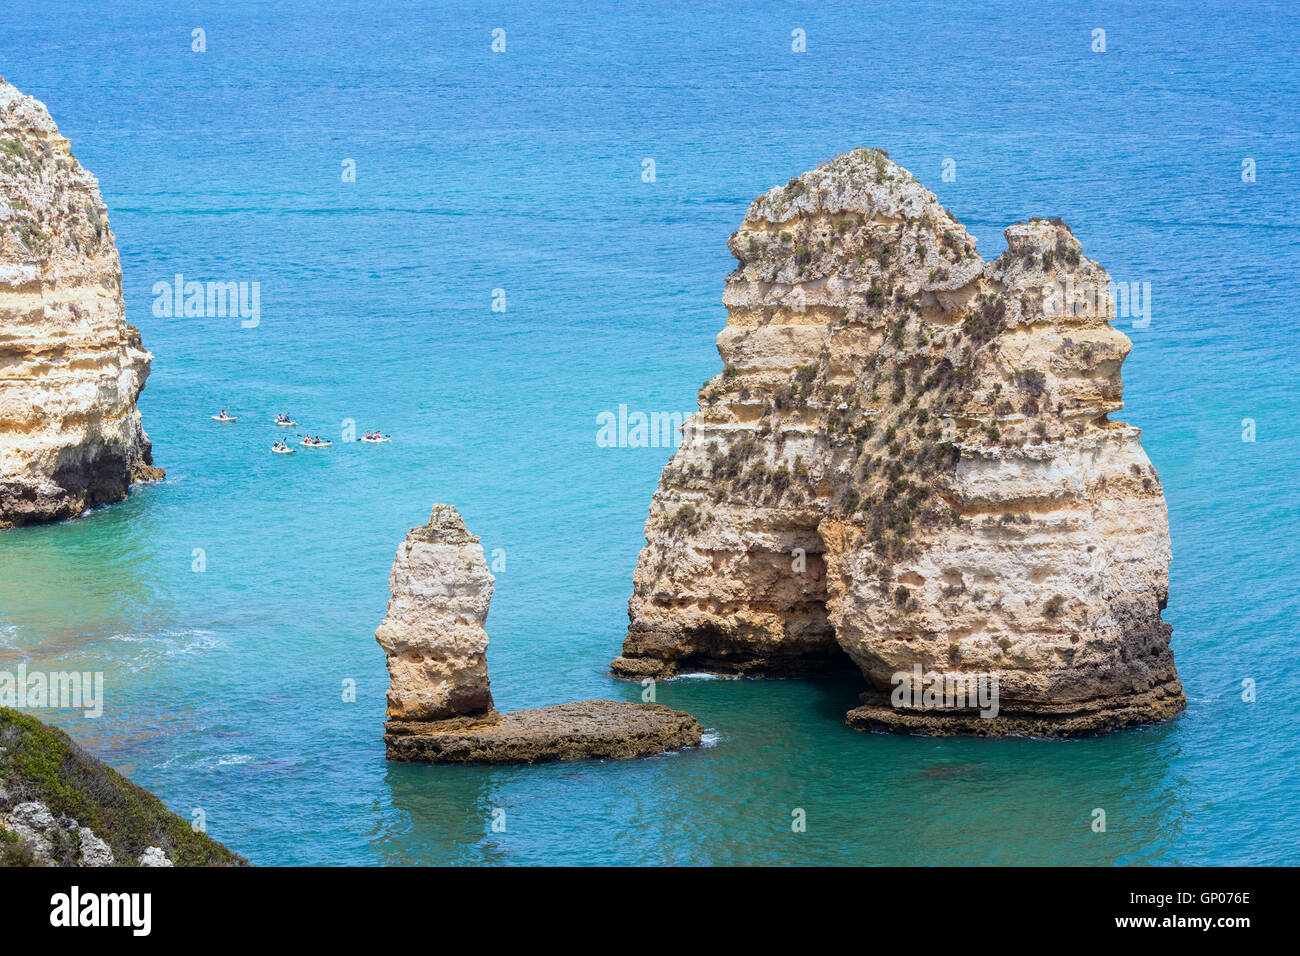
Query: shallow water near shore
[{"x": 522, "y": 172}]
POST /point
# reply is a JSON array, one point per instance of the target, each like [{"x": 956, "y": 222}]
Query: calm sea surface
[{"x": 522, "y": 171}]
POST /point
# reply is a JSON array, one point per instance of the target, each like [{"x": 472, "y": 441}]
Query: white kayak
[
  {"x": 317, "y": 444},
  {"x": 286, "y": 424},
  {"x": 218, "y": 418},
  {"x": 281, "y": 451},
  {"x": 376, "y": 441}
]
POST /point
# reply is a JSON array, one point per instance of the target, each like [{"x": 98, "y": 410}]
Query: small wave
[
  {"x": 182, "y": 642},
  {"x": 189, "y": 761},
  {"x": 164, "y": 645},
  {"x": 699, "y": 675},
  {"x": 210, "y": 762},
  {"x": 710, "y": 738}
]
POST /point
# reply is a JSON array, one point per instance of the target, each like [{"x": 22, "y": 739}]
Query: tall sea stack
[
  {"x": 908, "y": 462},
  {"x": 439, "y": 705},
  {"x": 71, "y": 368},
  {"x": 433, "y": 633}
]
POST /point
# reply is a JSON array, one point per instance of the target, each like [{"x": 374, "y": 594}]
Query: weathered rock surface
[
  {"x": 434, "y": 632},
  {"x": 154, "y": 856},
  {"x": 577, "y": 731},
  {"x": 908, "y": 458},
  {"x": 439, "y": 705},
  {"x": 71, "y": 369}
]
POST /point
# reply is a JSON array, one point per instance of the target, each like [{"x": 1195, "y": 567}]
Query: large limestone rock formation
[
  {"x": 909, "y": 458},
  {"x": 71, "y": 369},
  {"x": 439, "y": 705}
]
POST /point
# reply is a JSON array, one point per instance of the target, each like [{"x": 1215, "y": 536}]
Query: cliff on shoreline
[
  {"x": 60, "y": 806},
  {"x": 908, "y": 460},
  {"x": 71, "y": 368}
]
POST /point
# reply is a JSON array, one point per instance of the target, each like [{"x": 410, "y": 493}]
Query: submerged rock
[
  {"x": 439, "y": 705},
  {"x": 908, "y": 459},
  {"x": 70, "y": 432}
]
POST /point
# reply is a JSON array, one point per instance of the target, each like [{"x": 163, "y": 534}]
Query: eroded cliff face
[
  {"x": 71, "y": 369},
  {"x": 908, "y": 458}
]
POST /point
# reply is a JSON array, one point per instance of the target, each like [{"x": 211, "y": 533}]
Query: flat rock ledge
[
  {"x": 582, "y": 730},
  {"x": 1075, "y": 719}
]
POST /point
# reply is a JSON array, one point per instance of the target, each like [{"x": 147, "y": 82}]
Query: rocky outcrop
[
  {"x": 586, "y": 729},
  {"x": 434, "y": 632},
  {"x": 60, "y": 806},
  {"x": 31, "y": 835},
  {"x": 439, "y": 704},
  {"x": 71, "y": 369},
  {"x": 909, "y": 459}
]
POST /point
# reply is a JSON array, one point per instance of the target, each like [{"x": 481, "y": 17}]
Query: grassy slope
[{"x": 42, "y": 763}]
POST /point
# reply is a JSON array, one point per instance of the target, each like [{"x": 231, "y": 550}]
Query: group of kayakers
[{"x": 310, "y": 441}]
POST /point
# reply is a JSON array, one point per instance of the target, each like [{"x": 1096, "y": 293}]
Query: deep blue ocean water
[{"x": 522, "y": 171}]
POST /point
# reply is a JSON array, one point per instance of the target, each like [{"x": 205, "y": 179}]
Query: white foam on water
[
  {"x": 164, "y": 645},
  {"x": 210, "y": 762},
  {"x": 699, "y": 675}
]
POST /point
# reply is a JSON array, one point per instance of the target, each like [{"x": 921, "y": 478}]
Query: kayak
[
  {"x": 376, "y": 441},
  {"x": 317, "y": 444},
  {"x": 218, "y": 418},
  {"x": 286, "y": 424},
  {"x": 281, "y": 451}
]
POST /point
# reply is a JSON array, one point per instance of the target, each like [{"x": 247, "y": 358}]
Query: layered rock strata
[
  {"x": 71, "y": 368},
  {"x": 909, "y": 458},
  {"x": 439, "y": 704}
]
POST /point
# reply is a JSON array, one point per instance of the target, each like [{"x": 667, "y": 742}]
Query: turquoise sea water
[{"x": 522, "y": 171}]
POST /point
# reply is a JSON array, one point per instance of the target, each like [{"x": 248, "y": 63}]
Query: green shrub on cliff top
[{"x": 42, "y": 763}]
